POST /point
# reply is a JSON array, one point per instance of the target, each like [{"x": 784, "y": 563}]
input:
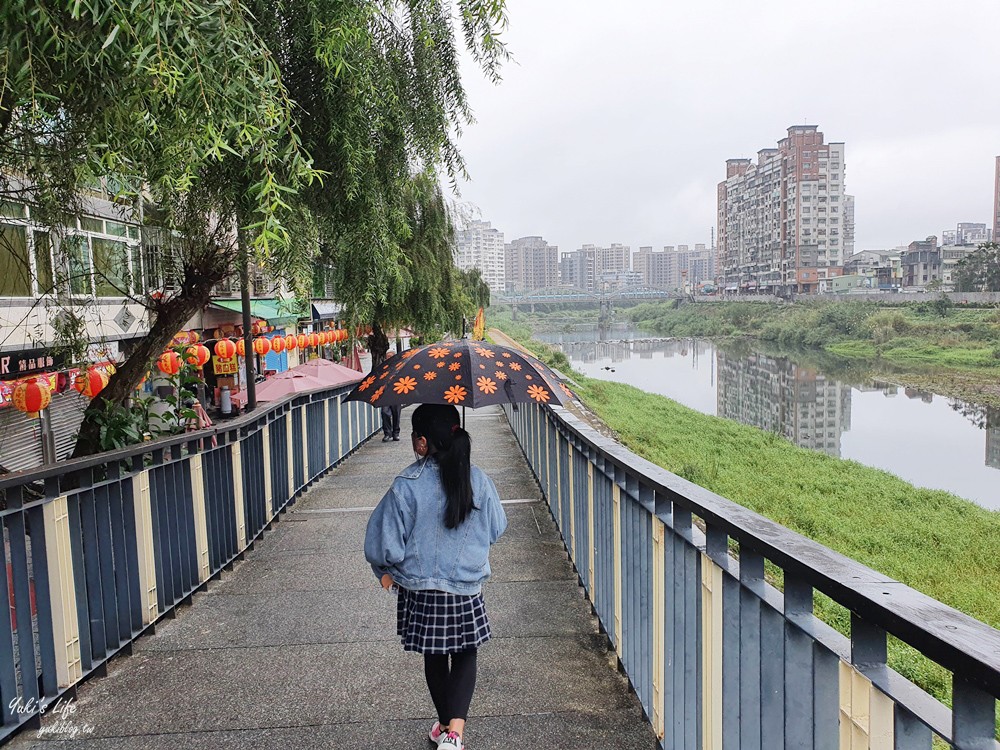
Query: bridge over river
[{"x": 191, "y": 594}]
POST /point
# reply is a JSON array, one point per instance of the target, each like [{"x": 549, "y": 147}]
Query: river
[{"x": 814, "y": 400}]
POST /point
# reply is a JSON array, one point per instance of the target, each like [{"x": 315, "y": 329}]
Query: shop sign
[
  {"x": 225, "y": 365},
  {"x": 16, "y": 365}
]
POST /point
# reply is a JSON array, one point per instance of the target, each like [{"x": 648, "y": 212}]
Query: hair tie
[{"x": 454, "y": 428}]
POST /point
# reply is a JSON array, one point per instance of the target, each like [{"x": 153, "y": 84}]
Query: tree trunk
[
  {"x": 378, "y": 345},
  {"x": 170, "y": 318}
]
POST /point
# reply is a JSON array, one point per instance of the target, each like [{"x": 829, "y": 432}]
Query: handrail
[
  {"x": 119, "y": 539},
  {"x": 590, "y": 480}
]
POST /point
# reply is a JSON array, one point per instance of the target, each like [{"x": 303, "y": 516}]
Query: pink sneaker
[
  {"x": 437, "y": 733},
  {"x": 451, "y": 741}
]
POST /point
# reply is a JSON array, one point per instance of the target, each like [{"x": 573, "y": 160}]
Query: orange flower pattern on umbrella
[
  {"x": 506, "y": 355},
  {"x": 378, "y": 393},
  {"x": 440, "y": 364},
  {"x": 454, "y": 366},
  {"x": 455, "y": 394},
  {"x": 538, "y": 393},
  {"x": 457, "y": 355},
  {"x": 488, "y": 353},
  {"x": 430, "y": 375},
  {"x": 566, "y": 390},
  {"x": 500, "y": 375},
  {"x": 501, "y": 364},
  {"x": 366, "y": 383},
  {"x": 438, "y": 352},
  {"x": 486, "y": 385},
  {"x": 515, "y": 367},
  {"x": 405, "y": 385}
]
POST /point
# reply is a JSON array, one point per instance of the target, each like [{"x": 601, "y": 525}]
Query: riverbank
[
  {"x": 931, "y": 345},
  {"x": 931, "y": 540}
]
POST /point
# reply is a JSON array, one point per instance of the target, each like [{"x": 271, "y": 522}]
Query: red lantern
[
  {"x": 302, "y": 340},
  {"x": 170, "y": 363},
  {"x": 241, "y": 347},
  {"x": 261, "y": 345},
  {"x": 31, "y": 396},
  {"x": 197, "y": 355},
  {"x": 313, "y": 340},
  {"x": 256, "y": 328},
  {"x": 225, "y": 349},
  {"x": 194, "y": 338},
  {"x": 343, "y": 334},
  {"x": 291, "y": 342},
  {"x": 90, "y": 382},
  {"x": 277, "y": 344}
]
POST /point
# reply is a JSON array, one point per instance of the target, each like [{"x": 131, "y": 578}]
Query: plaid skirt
[{"x": 436, "y": 622}]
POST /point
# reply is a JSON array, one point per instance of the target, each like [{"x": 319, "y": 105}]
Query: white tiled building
[{"x": 481, "y": 246}]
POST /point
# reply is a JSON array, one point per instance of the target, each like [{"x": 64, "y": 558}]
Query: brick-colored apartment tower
[{"x": 782, "y": 221}]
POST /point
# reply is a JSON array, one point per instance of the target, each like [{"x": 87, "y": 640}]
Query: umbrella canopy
[
  {"x": 285, "y": 384},
  {"x": 329, "y": 373},
  {"x": 462, "y": 373}
]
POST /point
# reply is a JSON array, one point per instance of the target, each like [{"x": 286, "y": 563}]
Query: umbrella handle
[{"x": 508, "y": 388}]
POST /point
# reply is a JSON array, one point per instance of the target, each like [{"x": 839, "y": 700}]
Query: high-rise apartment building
[
  {"x": 596, "y": 268},
  {"x": 785, "y": 222},
  {"x": 675, "y": 268},
  {"x": 531, "y": 263},
  {"x": 577, "y": 268},
  {"x": 481, "y": 246}
]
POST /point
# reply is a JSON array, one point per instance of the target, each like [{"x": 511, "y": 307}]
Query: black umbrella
[{"x": 462, "y": 373}]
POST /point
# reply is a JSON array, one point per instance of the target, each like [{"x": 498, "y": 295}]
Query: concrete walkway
[{"x": 296, "y": 648}]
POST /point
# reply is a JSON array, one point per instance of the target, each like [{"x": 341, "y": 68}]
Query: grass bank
[{"x": 930, "y": 540}]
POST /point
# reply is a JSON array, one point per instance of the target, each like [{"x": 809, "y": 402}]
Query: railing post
[
  {"x": 62, "y": 592},
  {"x": 973, "y": 715}
]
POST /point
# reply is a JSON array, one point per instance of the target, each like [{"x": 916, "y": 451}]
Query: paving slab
[{"x": 296, "y": 647}]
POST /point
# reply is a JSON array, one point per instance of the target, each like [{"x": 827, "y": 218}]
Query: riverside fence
[
  {"x": 720, "y": 658},
  {"x": 97, "y": 550}
]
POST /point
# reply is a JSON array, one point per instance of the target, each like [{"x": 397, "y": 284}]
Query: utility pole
[{"x": 251, "y": 384}]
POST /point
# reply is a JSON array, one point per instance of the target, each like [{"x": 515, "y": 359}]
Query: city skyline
[{"x": 628, "y": 145}]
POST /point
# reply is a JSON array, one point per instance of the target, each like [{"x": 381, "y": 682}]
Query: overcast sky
[{"x": 615, "y": 121}]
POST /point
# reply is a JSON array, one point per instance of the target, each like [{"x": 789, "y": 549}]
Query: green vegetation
[
  {"x": 934, "y": 333},
  {"x": 931, "y": 540}
]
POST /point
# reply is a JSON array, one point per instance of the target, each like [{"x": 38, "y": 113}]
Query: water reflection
[
  {"x": 813, "y": 399},
  {"x": 777, "y": 395}
]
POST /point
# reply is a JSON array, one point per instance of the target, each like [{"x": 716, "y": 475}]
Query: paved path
[{"x": 296, "y": 648}]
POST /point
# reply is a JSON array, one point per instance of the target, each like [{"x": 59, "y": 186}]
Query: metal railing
[
  {"x": 719, "y": 657},
  {"x": 98, "y": 549}
]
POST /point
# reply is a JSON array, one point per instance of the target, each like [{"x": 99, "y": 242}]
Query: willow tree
[
  {"x": 156, "y": 103},
  {"x": 382, "y": 104},
  {"x": 222, "y": 113}
]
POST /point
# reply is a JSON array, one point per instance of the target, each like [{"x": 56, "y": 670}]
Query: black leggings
[{"x": 451, "y": 689}]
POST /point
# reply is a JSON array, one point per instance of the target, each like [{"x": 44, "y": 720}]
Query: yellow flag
[{"x": 479, "y": 327}]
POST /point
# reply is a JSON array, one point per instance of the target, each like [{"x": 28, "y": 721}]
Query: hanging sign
[{"x": 225, "y": 365}]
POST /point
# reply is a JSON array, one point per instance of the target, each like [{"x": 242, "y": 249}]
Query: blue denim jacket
[{"x": 407, "y": 538}]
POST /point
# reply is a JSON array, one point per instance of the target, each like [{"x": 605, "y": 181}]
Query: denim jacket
[{"x": 407, "y": 538}]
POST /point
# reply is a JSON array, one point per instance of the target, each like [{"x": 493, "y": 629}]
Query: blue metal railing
[
  {"x": 98, "y": 549},
  {"x": 718, "y": 657}
]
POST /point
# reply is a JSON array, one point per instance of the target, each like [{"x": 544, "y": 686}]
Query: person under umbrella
[{"x": 429, "y": 538}]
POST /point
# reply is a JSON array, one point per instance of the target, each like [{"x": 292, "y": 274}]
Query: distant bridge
[{"x": 575, "y": 294}]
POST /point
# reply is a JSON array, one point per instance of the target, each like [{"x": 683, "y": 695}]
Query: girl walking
[{"x": 430, "y": 537}]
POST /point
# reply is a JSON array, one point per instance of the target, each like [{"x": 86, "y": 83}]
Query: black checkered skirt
[{"x": 436, "y": 622}]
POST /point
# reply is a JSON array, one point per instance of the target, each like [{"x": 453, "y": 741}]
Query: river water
[{"x": 815, "y": 400}]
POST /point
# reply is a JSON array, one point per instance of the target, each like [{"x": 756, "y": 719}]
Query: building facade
[
  {"x": 921, "y": 263},
  {"x": 785, "y": 221},
  {"x": 677, "y": 268},
  {"x": 530, "y": 263},
  {"x": 481, "y": 246}
]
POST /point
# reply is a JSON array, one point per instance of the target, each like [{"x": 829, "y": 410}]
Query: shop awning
[
  {"x": 274, "y": 311},
  {"x": 325, "y": 310}
]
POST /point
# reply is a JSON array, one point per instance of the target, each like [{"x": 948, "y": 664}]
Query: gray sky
[{"x": 615, "y": 120}]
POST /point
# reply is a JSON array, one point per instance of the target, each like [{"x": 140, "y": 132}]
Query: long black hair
[{"x": 441, "y": 426}]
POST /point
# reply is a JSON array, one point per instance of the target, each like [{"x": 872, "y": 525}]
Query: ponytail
[{"x": 439, "y": 424}]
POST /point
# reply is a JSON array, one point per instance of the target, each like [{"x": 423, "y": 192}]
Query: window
[
  {"x": 112, "y": 277},
  {"x": 15, "y": 272},
  {"x": 78, "y": 255},
  {"x": 43, "y": 262}
]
